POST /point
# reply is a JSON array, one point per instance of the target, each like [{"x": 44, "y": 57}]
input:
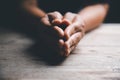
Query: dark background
[
  {"x": 114, "y": 12},
  {"x": 112, "y": 17}
]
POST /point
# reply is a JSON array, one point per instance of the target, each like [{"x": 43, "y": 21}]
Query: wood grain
[{"x": 97, "y": 57}]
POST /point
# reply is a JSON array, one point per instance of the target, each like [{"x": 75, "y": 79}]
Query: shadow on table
[
  {"x": 41, "y": 53},
  {"x": 38, "y": 51}
]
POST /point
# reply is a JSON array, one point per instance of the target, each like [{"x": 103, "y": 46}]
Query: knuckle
[
  {"x": 68, "y": 13},
  {"x": 56, "y": 12},
  {"x": 78, "y": 38},
  {"x": 78, "y": 27},
  {"x": 73, "y": 42},
  {"x": 50, "y": 13}
]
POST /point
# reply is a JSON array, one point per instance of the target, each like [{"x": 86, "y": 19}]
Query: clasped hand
[{"x": 62, "y": 33}]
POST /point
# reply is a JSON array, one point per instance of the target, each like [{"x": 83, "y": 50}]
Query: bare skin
[{"x": 68, "y": 28}]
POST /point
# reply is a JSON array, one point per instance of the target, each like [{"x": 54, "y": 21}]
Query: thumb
[{"x": 55, "y": 18}]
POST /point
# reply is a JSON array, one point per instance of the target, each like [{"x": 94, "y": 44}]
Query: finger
[
  {"x": 71, "y": 29},
  {"x": 78, "y": 18},
  {"x": 69, "y": 17},
  {"x": 55, "y": 18},
  {"x": 64, "y": 24},
  {"x": 45, "y": 21},
  {"x": 58, "y": 31},
  {"x": 55, "y": 32},
  {"x": 67, "y": 20},
  {"x": 57, "y": 22},
  {"x": 72, "y": 42},
  {"x": 61, "y": 44},
  {"x": 70, "y": 50}
]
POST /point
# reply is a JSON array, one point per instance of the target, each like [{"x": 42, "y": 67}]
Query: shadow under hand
[
  {"x": 42, "y": 52},
  {"x": 38, "y": 51}
]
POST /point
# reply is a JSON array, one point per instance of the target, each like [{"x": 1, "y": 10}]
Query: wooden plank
[{"x": 97, "y": 57}]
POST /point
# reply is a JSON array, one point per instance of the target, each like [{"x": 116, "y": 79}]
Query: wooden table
[{"x": 97, "y": 57}]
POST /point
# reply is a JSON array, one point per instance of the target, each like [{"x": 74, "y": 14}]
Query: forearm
[
  {"x": 30, "y": 7},
  {"x": 93, "y": 15}
]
